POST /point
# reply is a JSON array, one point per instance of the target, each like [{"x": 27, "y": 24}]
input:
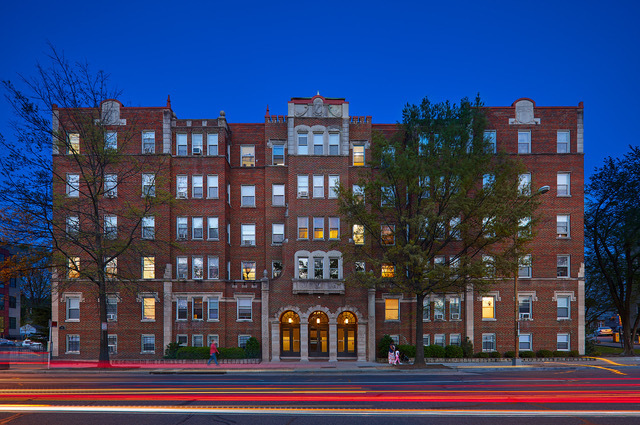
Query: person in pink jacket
[{"x": 213, "y": 350}]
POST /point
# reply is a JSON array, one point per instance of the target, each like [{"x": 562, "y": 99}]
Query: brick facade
[{"x": 550, "y": 323}]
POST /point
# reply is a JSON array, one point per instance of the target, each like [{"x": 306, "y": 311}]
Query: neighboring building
[
  {"x": 259, "y": 242},
  {"x": 9, "y": 303}
]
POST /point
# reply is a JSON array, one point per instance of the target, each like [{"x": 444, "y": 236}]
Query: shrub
[
  {"x": 434, "y": 351},
  {"x": 407, "y": 350},
  {"x": 467, "y": 347},
  {"x": 252, "y": 349},
  {"x": 453, "y": 352},
  {"x": 230, "y": 353},
  {"x": 383, "y": 346},
  {"x": 494, "y": 355},
  {"x": 481, "y": 355},
  {"x": 172, "y": 350},
  {"x": 527, "y": 354},
  {"x": 509, "y": 354},
  {"x": 544, "y": 353},
  {"x": 192, "y": 353},
  {"x": 574, "y": 353}
]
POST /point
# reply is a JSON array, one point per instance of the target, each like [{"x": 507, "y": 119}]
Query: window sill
[
  {"x": 564, "y": 196},
  {"x": 213, "y": 198},
  {"x": 489, "y": 320},
  {"x": 564, "y": 237},
  {"x": 244, "y": 320},
  {"x": 72, "y": 321},
  {"x": 392, "y": 321},
  {"x": 182, "y": 320},
  {"x": 72, "y": 352},
  {"x": 278, "y": 206},
  {"x": 564, "y": 319},
  {"x": 213, "y": 240},
  {"x": 147, "y": 352},
  {"x": 247, "y": 206},
  {"x": 148, "y": 320},
  {"x": 213, "y": 320}
]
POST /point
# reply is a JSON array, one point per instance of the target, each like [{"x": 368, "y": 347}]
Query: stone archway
[
  {"x": 290, "y": 334},
  {"x": 347, "y": 328}
]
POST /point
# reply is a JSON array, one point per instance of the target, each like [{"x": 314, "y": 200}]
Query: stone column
[
  {"x": 333, "y": 342},
  {"x": 468, "y": 310},
  {"x": 167, "y": 304},
  {"x": 581, "y": 311},
  {"x": 265, "y": 318},
  {"x": 304, "y": 342},
  {"x": 362, "y": 342},
  {"x": 275, "y": 341},
  {"x": 371, "y": 327}
]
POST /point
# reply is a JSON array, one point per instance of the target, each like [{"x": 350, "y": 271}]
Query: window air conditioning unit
[
  {"x": 455, "y": 316},
  {"x": 111, "y": 316},
  {"x": 109, "y": 194},
  {"x": 303, "y": 194},
  {"x": 439, "y": 317},
  {"x": 197, "y": 151},
  {"x": 182, "y": 237},
  {"x": 525, "y": 316},
  {"x": 247, "y": 243},
  {"x": 182, "y": 275},
  {"x": 148, "y": 150},
  {"x": 182, "y": 195}
]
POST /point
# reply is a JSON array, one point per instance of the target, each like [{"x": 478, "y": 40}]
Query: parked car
[
  {"x": 604, "y": 330},
  {"x": 36, "y": 346},
  {"x": 26, "y": 343}
]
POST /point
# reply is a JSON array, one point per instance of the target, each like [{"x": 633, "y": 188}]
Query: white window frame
[
  {"x": 244, "y": 307},
  {"x": 197, "y": 267},
  {"x": 439, "y": 339},
  {"x": 182, "y": 309},
  {"x": 563, "y": 258},
  {"x": 491, "y": 137},
  {"x": 455, "y": 307},
  {"x": 196, "y": 144},
  {"x": 110, "y": 227},
  {"x": 148, "y": 267},
  {"x": 334, "y": 182},
  {"x": 213, "y": 229},
  {"x": 73, "y": 185},
  {"x": 182, "y": 340},
  {"x": 248, "y": 196},
  {"x": 197, "y": 188},
  {"x": 213, "y": 301},
  {"x": 213, "y": 263},
  {"x": 248, "y": 152},
  {"x": 277, "y": 233},
  {"x": 562, "y": 140},
  {"x": 181, "y": 144},
  {"x": 488, "y": 342},
  {"x": 525, "y": 307},
  {"x": 302, "y": 267},
  {"x": 563, "y": 226},
  {"x": 110, "y": 186},
  {"x": 388, "y": 308},
  {"x": 303, "y": 223},
  {"x": 150, "y": 337},
  {"x": 212, "y": 144},
  {"x": 71, "y": 302},
  {"x": 212, "y": 186},
  {"x": 182, "y": 267},
  {"x": 493, "y": 305},
  {"x": 318, "y": 186},
  {"x": 182, "y": 228},
  {"x": 111, "y": 140},
  {"x": 563, "y": 338},
  {"x": 354, "y": 155},
  {"x": 277, "y": 195},
  {"x": 303, "y": 186},
  {"x": 525, "y": 269},
  {"x": 73, "y": 139},
  {"x": 560, "y": 299},
  {"x": 148, "y": 227},
  {"x": 242, "y": 340},
  {"x": 318, "y": 231},
  {"x": 148, "y": 185},
  {"x": 318, "y": 142},
  {"x": 334, "y": 143},
  {"x": 334, "y": 226},
  {"x": 524, "y": 184},
  {"x": 563, "y": 184},
  {"x": 195, "y": 300},
  {"x": 455, "y": 339},
  {"x": 147, "y": 317},
  {"x": 148, "y": 141},
  {"x": 248, "y": 234},
  {"x": 275, "y": 159},
  {"x": 112, "y": 343},
  {"x": 524, "y": 141},
  {"x": 197, "y": 340},
  {"x": 302, "y": 148},
  {"x": 197, "y": 228},
  {"x": 525, "y": 342},
  {"x": 182, "y": 186},
  {"x": 249, "y": 265},
  {"x": 76, "y": 340}
]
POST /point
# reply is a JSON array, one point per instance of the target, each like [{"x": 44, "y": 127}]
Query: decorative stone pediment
[
  {"x": 318, "y": 287},
  {"x": 318, "y": 109},
  {"x": 524, "y": 113}
]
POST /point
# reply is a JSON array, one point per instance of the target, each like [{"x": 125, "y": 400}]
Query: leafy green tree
[
  {"x": 612, "y": 236},
  {"x": 436, "y": 210}
]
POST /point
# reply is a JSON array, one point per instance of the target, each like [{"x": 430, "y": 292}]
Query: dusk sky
[{"x": 242, "y": 56}]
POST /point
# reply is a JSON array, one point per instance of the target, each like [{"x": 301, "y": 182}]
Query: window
[
  {"x": 213, "y": 338},
  {"x": 358, "y": 155},
  {"x": 73, "y": 226},
  {"x": 148, "y": 185},
  {"x": 391, "y": 309},
  {"x": 110, "y": 185},
  {"x": 213, "y": 310},
  {"x": 111, "y": 268},
  {"x": 248, "y": 270},
  {"x": 334, "y": 182},
  {"x": 212, "y": 187},
  {"x": 74, "y": 268},
  {"x": 112, "y": 343},
  {"x": 358, "y": 234},
  {"x": 228, "y": 194},
  {"x": 334, "y": 268},
  {"x": 438, "y": 308},
  {"x": 524, "y": 227},
  {"x": 248, "y": 156},
  {"x": 303, "y": 186},
  {"x": 181, "y": 309},
  {"x": 388, "y": 270},
  {"x": 277, "y": 155},
  {"x": 563, "y": 142},
  {"x": 73, "y": 185},
  {"x": 229, "y": 233},
  {"x": 562, "y": 342},
  {"x": 524, "y": 142},
  {"x": 73, "y": 344},
  {"x": 489, "y": 266},
  {"x": 318, "y": 186},
  {"x": 148, "y": 227},
  {"x": 248, "y": 196},
  {"x": 228, "y": 270},
  {"x": 212, "y": 228},
  {"x": 149, "y": 344},
  {"x": 439, "y": 339},
  {"x": 244, "y": 308},
  {"x": 196, "y": 189},
  {"x": 563, "y": 266},
  {"x": 183, "y": 228},
  {"x": 524, "y": 185},
  {"x": 110, "y": 227},
  {"x": 182, "y": 340},
  {"x": 488, "y": 308},
  {"x": 334, "y": 143},
  {"x": 212, "y": 144},
  {"x": 318, "y": 227},
  {"x": 426, "y": 309},
  {"x": 334, "y": 227},
  {"x": 454, "y": 308},
  {"x": 148, "y": 309},
  {"x": 318, "y": 268},
  {"x": 12, "y": 302},
  {"x": 181, "y": 144},
  {"x": 277, "y": 233},
  {"x": 74, "y": 143},
  {"x": 248, "y": 234},
  {"x": 197, "y": 231},
  {"x": 488, "y": 181},
  {"x": 213, "y": 267},
  {"x": 303, "y": 268},
  {"x": 276, "y": 268},
  {"x": 242, "y": 340},
  {"x": 196, "y": 308},
  {"x": 197, "y": 268},
  {"x": 359, "y": 266},
  {"x": 318, "y": 144},
  {"x": 426, "y": 340},
  {"x": 564, "y": 184},
  {"x": 358, "y": 192},
  {"x": 277, "y": 195},
  {"x": 149, "y": 267},
  {"x": 563, "y": 226},
  {"x": 73, "y": 309},
  {"x": 424, "y": 182},
  {"x": 564, "y": 307},
  {"x": 524, "y": 307},
  {"x": 524, "y": 268},
  {"x": 303, "y": 144},
  {"x": 386, "y": 196},
  {"x": 182, "y": 267},
  {"x": 197, "y": 341},
  {"x": 303, "y": 227},
  {"x": 181, "y": 187},
  {"x": 148, "y": 142},
  {"x": 454, "y": 228},
  {"x": 488, "y": 342},
  {"x": 196, "y": 143},
  {"x": 111, "y": 141},
  {"x": 387, "y": 234},
  {"x": 524, "y": 342},
  {"x": 490, "y": 139}
]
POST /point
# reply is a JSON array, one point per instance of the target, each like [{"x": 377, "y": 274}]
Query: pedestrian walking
[
  {"x": 397, "y": 357},
  {"x": 392, "y": 354},
  {"x": 213, "y": 350}
]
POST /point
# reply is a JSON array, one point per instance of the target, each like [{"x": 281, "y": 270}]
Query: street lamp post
[{"x": 516, "y": 330}]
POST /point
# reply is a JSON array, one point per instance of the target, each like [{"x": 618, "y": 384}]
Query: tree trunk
[{"x": 419, "y": 361}]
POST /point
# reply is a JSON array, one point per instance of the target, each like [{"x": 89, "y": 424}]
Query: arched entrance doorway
[
  {"x": 347, "y": 334},
  {"x": 318, "y": 334},
  {"x": 290, "y": 334}
]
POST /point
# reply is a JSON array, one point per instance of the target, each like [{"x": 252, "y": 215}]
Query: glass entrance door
[{"x": 318, "y": 335}]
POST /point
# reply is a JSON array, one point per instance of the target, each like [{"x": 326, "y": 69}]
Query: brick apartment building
[
  {"x": 9, "y": 302},
  {"x": 256, "y": 241}
]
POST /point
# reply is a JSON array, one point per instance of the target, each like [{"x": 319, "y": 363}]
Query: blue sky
[{"x": 242, "y": 56}]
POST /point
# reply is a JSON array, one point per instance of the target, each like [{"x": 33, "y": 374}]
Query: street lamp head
[{"x": 543, "y": 189}]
